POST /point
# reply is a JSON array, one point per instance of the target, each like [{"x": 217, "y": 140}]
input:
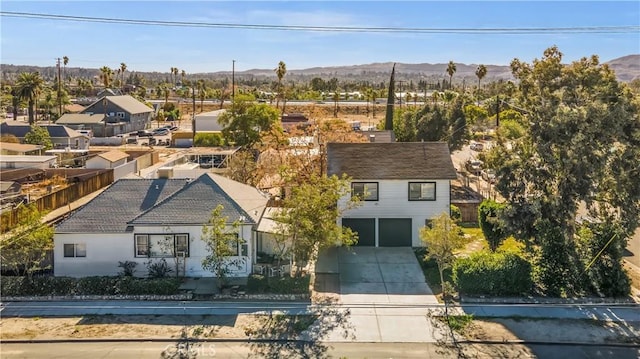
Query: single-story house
[
  {"x": 61, "y": 136},
  {"x": 402, "y": 186},
  {"x": 23, "y": 149},
  {"x": 142, "y": 220},
  {"x": 16, "y": 161}
]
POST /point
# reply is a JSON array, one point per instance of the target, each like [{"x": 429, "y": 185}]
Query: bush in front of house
[
  {"x": 48, "y": 286},
  {"x": 496, "y": 274},
  {"x": 208, "y": 140},
  {"x": 258, "y": 284}
]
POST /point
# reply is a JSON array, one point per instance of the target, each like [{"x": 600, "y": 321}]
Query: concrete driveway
[{"x": 384, "y": 290}]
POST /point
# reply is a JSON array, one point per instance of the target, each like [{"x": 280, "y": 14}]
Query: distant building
[
  {"x": 61, "y": 136},
  {"x": 118, "y": 115}
]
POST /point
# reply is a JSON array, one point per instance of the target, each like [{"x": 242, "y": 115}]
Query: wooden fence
[{"x": 60, "y": 198}]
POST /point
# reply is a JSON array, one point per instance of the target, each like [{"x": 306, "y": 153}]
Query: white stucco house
[
  {"x": 402, "y": 187},
  {"x": 149, "y": 219}
]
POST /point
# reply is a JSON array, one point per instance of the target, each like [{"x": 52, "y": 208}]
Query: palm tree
[
  {"x": 105, "y": 76},
  {"x": 123, "y": 68},
  {"x": 65, "y": 61},
  {"x": 451, "y": 69},
  {"x": 183, "y": 73},
  {"x": 28, "y": 87},
  {"x": 481, "y": 72},
  {"x": 280, "y": 72},
  {"x": 202, "y": 92}
]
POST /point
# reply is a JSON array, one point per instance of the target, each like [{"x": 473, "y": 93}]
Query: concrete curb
[{"x": 249, "y": 341}]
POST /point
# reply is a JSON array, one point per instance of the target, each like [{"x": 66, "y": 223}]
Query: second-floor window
[
  {"x": 365, "y": 191},
  {"x": 422, "y": 191}
]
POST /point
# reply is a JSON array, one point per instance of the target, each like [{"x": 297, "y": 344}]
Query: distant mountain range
[{"x": 627, "y": 68}]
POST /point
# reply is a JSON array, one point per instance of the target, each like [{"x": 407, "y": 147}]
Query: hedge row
[
  {"x": 46, "y": 286},
  {"x": 496, "y": 274},
  {"x": 257, "y": 284}
]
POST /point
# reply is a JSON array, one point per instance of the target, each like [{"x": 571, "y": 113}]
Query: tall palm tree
[
  {"x": 65, "y": 61},
  {"x": 123, "y": 68},
  {"x": 105, "y": 76},
  {"x": 281, "y": 70},
  {"x": 481, "y": 72},
  {"x": 183, "y": 73},
  {"x": 202, "y": 92},
  {"x": 28, "y": 87},
  {"x": 451, "y": 69}
]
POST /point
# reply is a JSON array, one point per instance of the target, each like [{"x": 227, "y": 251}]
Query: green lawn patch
[
  {"x": 458, "y": 323},
  {"x": 431, "y": 274}
]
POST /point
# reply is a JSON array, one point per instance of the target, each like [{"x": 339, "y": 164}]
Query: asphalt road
[{"x": 145, "y": 350}]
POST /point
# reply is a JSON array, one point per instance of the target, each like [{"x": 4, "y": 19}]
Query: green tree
[
  {"x": 442, "y": 239},
  {"x": 105, "y": 76},
  {"x": 28, "y": 88},
  {"x": 310, "y": 213},
  {"x": 451, "y": 69},
  {"x": 221, "y": 239},
  {"x": 123, "y": 68},
  {"x": 489, "y": 220},
  {"x": 24, "y": 249},
  {"x": 246, "y": 122},
  {"x": 39, "y": 136},
  {"x": 391, "y": 99},
  {"x": 481, "y": 72},
  {"x": 65, "y": 62},
  {"x": 581, "y": 148}
]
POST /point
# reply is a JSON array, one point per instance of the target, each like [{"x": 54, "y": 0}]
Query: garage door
[
  {"x": 394, "y": 232},
  {"x": 366, "y": 228}
]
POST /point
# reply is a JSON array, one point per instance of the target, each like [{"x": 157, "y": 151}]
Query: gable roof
[
  {"x": 165, "y": 202},
  {"x": 80, "y": 118},
  {"x": 202, "y": 196},
  {"x": 113, "y": 156},
  {"x": 398, "y": 160},
  {"x": 20, "y": 130},
  {"x": 127, "y": 103},
  {"x": 125, "y": 199}
]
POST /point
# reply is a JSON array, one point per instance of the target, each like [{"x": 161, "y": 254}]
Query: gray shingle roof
[
  {"x": 165, "y": 202},
  {"x": 126, "y": 102},
  {"x": 193, "y": 204},
  {"x": 80, "y": 118},
  {"x": 20, "y": 129},
  {"x": 125, "y": 199},
  {"x": 399, "y": 160}
]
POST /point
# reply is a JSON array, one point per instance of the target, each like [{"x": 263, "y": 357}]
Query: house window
[
  {"x": 422, "y": 191},
  {"x": 161, "y": 245},
  {"x": 121, "y": 114},
  {"x": 75, "y": 250},
  {"x": 365, "y": 191},
  {"x": 234, "y": 245},
  {"x": 142, "y": 245}
]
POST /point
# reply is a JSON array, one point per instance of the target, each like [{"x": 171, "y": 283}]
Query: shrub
[
  {"x": 278, "y": 285},
  {"x": 95, "y": 286},
  {"x": 489, "y": 220},
  {"x": 456, "y": 215},
  {"x": 128, "y": 268},
  {"x": 208, "y": 140},
  {"x": 493, "y": 274},
  {"x": 158, "y": 269}
]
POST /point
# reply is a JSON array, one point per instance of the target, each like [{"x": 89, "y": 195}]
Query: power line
[{"x": 352, "y": 29}]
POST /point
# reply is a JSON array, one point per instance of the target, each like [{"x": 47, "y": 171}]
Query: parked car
[
  {"x": 174, "y": 128},
  {"x": 488, "y": 175},
  {"x": 144, "y": 133},
  {"x": 473, "y": 166},
  {"x": 160, "y": 131}
]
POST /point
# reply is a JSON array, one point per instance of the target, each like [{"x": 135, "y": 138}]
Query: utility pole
[
  {"x": 193, "y": 116},
  {"x": 59, "y": 97}
]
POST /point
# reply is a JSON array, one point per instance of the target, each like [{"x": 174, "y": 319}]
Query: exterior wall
[
  {"x": 8, "y": 164},
  {"x": 104, "y": 251},
  {"x": 99, "y": 162},
  {"x": 208, "y": 123},
  {"x": 125, "y": 169},
  {"x": 136, "y": 121},
  {"x": 393, "y": 202},
  {"x": 75, "y": 143}
]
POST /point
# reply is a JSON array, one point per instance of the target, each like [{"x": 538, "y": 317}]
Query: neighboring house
[
  {"x": 111, "y": 159},
  {"x": 208, "y": 121},
  {"x": 22, "y": 149},
  {"x": 84, "y": 121},
  {"x": 378, "y": 135},
  {"x": 144, "y": 220},
  {"x": 15, "y": 161},
  {"x": 402, "y": 186},
  {"x": 123, "y": 114},
  {"x": 73, "y": 108},
  {"x": 61, "y": 136}
]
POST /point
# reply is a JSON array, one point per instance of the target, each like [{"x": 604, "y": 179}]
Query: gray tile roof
[
  {"x": 193, "y": 203},
  {"x": 399, "y": 160},
  {"x": 125, "y": 199},
  {"x": 165, "y": 202}
]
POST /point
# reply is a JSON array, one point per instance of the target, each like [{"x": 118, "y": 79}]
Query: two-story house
[
  {"x": 402, "y": 186},
  {"x": 110, "y": 116}
]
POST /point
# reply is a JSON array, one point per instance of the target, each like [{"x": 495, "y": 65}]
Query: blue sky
[{"x": 156, "y": 48}]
